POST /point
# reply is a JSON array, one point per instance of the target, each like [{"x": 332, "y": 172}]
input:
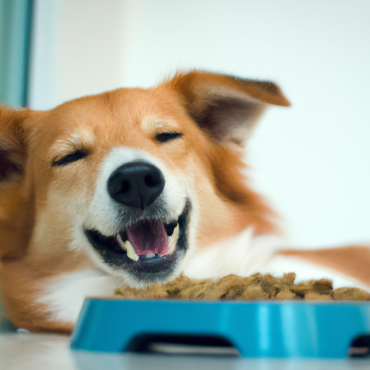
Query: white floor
[{"x": 49, "y": 351}]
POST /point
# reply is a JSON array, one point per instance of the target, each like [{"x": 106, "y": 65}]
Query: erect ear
[
  {"x": 12, "y": 148},
  {"x": 226, "y": 107}
]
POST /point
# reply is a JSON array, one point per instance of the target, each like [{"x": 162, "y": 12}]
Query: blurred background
[{"x": 312, "y": 161}]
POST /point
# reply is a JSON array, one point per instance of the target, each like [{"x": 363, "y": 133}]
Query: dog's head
[{"x": 133, "y": 179}]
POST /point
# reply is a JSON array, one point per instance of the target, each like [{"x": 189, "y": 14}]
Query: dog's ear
[
  {"x": 12, "y": 147},
  {"x": 226, "y": 107}
]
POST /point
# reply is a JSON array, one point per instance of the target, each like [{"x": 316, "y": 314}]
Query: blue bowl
[{"x": 269, "y": 329}]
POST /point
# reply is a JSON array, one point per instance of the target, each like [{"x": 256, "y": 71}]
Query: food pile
[{"x": 256, "y": 286}]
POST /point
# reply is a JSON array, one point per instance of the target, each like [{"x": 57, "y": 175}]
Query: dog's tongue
[{"x": 148, "y": 237}]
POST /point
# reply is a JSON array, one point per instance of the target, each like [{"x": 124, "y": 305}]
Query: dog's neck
[
  {"x": 225, "y": 223},
  {"x": 243, "y": 254}
]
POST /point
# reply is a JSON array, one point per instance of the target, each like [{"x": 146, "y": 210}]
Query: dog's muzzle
[{"x": 148, "y": 245}]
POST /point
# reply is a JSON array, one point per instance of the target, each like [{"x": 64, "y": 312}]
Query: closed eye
[
  {"x": 163, "y": 137},
  {"x": 69, "y": 159}
]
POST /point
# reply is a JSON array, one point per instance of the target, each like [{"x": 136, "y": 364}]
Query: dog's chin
[{"x": 153, "y": 265}]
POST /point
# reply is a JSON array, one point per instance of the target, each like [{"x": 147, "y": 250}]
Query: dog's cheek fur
[
  {"x": 231, "y": 184},
  {"x": 15, "y": 219},
  {"x": 61, "y": 207},
  {"x": 226, "y": 204}
]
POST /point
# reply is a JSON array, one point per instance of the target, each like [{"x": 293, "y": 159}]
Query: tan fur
[
  {"x": 352, "y": 261},
  {"x": 256, "y": 286}
]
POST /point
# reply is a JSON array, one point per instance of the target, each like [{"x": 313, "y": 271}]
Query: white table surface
[{"x": 21, "y": 351}]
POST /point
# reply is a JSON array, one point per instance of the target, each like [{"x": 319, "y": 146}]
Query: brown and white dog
[{"x": 135, "y": 186}]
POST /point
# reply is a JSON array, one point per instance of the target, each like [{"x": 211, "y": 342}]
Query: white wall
[
  {"x": 311, "y": 160},
  {"x": 43, "y": 76},
  {"x": 76, "y": 50}
]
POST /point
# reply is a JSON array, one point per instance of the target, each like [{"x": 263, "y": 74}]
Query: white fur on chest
[{"x": 64, "y": 296}]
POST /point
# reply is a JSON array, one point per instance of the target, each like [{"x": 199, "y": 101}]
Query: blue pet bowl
[{"x": 268, "y": 329}]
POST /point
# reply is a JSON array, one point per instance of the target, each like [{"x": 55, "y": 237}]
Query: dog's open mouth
[
  {"x": 148, "y": 250},
  {"x": 145, "y": 240}
]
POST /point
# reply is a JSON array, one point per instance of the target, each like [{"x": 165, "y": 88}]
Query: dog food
[{"x": 256, "y": 286}]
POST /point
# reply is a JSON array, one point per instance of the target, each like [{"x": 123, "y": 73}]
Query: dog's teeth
[
  {"x": 172, "y": 240},
  {"x": 131, "y": 251},
  {"x": 127, "y": 246},
  {"x": 121, "y": 242},
  {"x": 150, "y": 255}
]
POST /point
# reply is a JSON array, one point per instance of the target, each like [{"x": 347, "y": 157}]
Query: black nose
[{"x": 136, "y": 184}]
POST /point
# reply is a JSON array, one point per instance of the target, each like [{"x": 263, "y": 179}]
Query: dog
[{"x": 136, "y": 186}]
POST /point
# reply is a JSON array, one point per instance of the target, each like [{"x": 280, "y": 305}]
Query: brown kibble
[
  {"x": 153, "y": 292},
  {"x": 314, "y": 296},
  {"x": 350, "y": 294},
  {"x": 253, "y": 287},
  {"x": 286, "y": 294},
  {"x": 300, "y": 290},
  {"x": 288, "y": 278},
  {"x": 322, "y": 284},
  {"x": 254, "y": 292},
  {"x": 193, "y": 292}
]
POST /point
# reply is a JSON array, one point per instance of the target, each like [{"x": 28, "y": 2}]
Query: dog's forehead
[
  {"x": 121, "y": 110},
  {"x": 119, "y": 114}
]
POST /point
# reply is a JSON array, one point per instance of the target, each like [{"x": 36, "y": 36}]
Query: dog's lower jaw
[{"x": 115, "y": 261}]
